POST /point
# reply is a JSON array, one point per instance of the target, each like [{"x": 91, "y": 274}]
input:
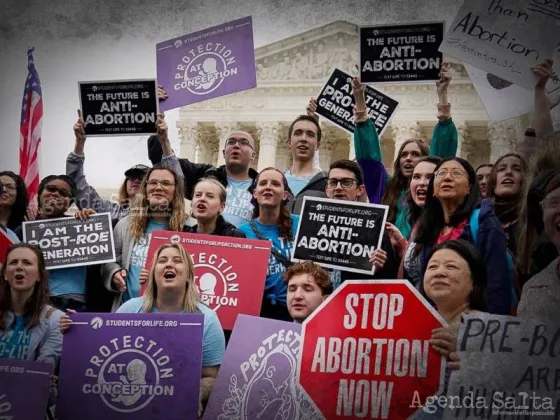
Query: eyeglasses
[
  {"x": 165, "y": 184},
  {"x": 344, "y": 182},
  {"x": 241, "y": 142},
  {"x": 550, "y": 203},
  {"x": 54, "y": 189},
  {"x": 9, "y": 187},
  {"x": 455, "y": 173}
]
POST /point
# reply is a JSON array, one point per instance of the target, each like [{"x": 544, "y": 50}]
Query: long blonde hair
[
  {"x": 140, "y": 211},
  {"x": 190, "y": 298}
]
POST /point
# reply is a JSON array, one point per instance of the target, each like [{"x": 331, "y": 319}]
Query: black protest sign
[
  {"x": 339, "y": 234},
  {"x": 336, "y": 103},
  {"x": 68, "y": 242},
  {"x": 401, "y": 53},
  {"x": 119, "y": 108}
]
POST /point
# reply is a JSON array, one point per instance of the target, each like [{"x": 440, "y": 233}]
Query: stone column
[
  {"x": 352, "y": 150},
  {"x": 403, "y": 131},
  {"x": 268, "y": 142},
  {"x": 503, "y": 137},
  {"x": 224, "y": 129},
  {"x": 325, "y": 152},
  {"x": 283, "y": 154},
  {"x": 188, "y": 134},
  {"x": 207, "y": 145},
  {"x": 462, "y": 139}
]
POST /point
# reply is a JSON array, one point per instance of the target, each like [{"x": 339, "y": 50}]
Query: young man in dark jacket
[
  {"x": 236, "y": 175},
  {"x": 342, "y": 171}
]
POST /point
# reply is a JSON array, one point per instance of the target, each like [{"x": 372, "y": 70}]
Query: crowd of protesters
[{"x": 470, "y": 240}]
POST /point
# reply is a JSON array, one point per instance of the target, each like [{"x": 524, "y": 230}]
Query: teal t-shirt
[
  {"x": 14, "y": 343},
  {"x": 297, "y": 183},
  {"x": 138, "y": 260},
  {"x": 67, "y": 281},
  {"x": 213, "y": 339},
  {"x": 275, "y": 288},
  {"x": 238, "y": 204}
]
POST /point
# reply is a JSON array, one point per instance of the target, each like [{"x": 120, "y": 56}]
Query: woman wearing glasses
[
  {"x": 541, "y": 294},
  {"x": 454, "y": 210},
  {"x": 13, "y": 200},
  {"x": 159, "y": 206},
  {"x": 67, "y": 286}
]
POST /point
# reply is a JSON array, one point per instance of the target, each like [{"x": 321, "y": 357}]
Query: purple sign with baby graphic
[
  {"x": 137, "y": 366},
  {"x": 214, "y": 62},
  {"x": 24, "y": 389},
  {"x": 257, "y": 379}
]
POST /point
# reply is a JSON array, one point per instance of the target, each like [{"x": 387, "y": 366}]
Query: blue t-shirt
[
  {"x": 297, "y": 183},
  {"x": 213, "y": 340},
  {"x": 238, "y": 204},
  {"x": 275, "y": 287},
  {"x": 14, "y": 343},
  {"x": 67, "y": 281},
  {"x": 138, "y": 260}
]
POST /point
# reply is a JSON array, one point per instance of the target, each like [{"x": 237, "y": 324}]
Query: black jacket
[
  {"x": 223, "y": 228},
  {"x": 315, "y": 188},
  {"x": 193, "y": 172},
  {"x": 389, "y": 270}
]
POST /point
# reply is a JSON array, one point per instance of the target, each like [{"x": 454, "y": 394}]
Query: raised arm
[
  {"x": 367, "y": 147},
  {"x": 445, "y": 136},
  {"x": 86, "y": 195},
  {"x": 541, "y": 121}
]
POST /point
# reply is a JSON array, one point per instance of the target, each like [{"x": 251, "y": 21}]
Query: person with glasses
[
  {"x": 86, "y": 195},
  {"x": 236, "y": 175},
  {"x": 160, "y": 205},
  {"x": 541, "y": 294},
  {"x": 454, "y": 210},
  {"x": 13, "y": 200},
  {"x": 67, "y": 286},
  {"x": 346, "y": 182}
]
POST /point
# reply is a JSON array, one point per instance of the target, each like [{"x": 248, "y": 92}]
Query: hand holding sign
[
  {"x": 84, "y": 214},
  {"x": 445, "y": 77},
  {"x": 358, "y": 90},
  {"x": 80, "y": 128},
  {"x": 543, "y": 71},
  {"x": 161, "y": 127},
  {"x": 312, "y": 108},
  {"x": 162, "y": 94},
  {"x": 144, "y": 274},
  {"x": 378, "y": 258}
]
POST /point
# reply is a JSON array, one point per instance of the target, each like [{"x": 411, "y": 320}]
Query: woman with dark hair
[
  {"x": 208, "y": 204},
  {"x": 29, "y": 326},
  {"x": 541, "y": 294},
  {"x": 392, "y": 191},
  {"x": 13, "y": 200},
  {"x": 67, "y": 286},
  {"x": 272, "y": 221},
  {"x": 482, "y": 174},
  {"x": 453, "y": 210},
  {"x": 505, "y": 189},
  {"x": 455, "y": 280},
  {"x": 160, "y": 205},
  {"x": 536, "y": 251}
]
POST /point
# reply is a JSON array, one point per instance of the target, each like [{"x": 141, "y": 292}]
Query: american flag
[{"x": 30, "y": 129}]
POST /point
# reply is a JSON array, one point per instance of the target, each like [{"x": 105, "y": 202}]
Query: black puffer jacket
[{"x": 223, "y": 228}]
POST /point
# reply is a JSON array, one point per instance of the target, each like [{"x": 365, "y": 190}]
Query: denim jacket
[{"x": 46, "y": 339}]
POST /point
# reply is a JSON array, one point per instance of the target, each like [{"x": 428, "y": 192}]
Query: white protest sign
[
  {"x": 505, "y": 37},
  {"x": 510, "y": 368}
]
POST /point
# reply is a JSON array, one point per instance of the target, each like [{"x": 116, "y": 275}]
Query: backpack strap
[
  {"x": 49, "y": 312},
  {"x": 473, "y": 223},
  {"x": 283, "y": 260}
]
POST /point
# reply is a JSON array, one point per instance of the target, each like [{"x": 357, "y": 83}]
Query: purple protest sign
[
  {"x": 24, "y": 389},
  {"x": 141, "y": 366},
  {"x": 257, "y": 378},
  {"x": 214, "y": 62}
]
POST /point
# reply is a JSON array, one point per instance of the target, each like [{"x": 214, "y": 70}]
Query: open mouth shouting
[
  {"x": 421, "y": 194},
  {"x": 169, "y": 275}
]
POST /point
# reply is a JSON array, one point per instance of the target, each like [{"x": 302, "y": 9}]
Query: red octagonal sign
[{"x": 366, "y": 352}]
